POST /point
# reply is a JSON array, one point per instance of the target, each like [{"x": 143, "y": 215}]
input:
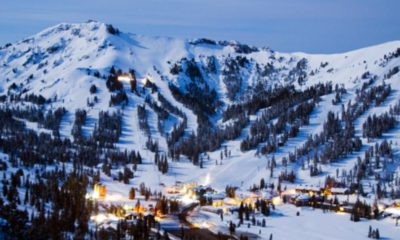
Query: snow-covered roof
[
  {"x": 303, "y": 197},
  {"x": 308, "y": 188},
  {"x": 395, "y": 211},
  {"x": 268, "y": 194},
  {"x": 339, "y": 190},
  {"x": 214, "y": 196}
]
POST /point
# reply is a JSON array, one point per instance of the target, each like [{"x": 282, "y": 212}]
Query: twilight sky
[{"x": 314, "y": 26}]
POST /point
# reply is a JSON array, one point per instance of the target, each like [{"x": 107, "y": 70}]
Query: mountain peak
[
  {"x": 74, "y": 28},
  {"x": 224, "y": 106},
  {"x": 69, "y": 51}
]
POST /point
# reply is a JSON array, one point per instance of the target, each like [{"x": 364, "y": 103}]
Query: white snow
[{"x": 60, "y": 57}]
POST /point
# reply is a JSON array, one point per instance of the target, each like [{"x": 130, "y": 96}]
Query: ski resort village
[
  {"x": 111, "y": 135},
  {"x": 185, "y": 209}
]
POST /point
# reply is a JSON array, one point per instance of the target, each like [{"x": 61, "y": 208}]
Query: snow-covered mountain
[
  {"x": 87, "y": 103},
  {"x": 61, "y": 64}
]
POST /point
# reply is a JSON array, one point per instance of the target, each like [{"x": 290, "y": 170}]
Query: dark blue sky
[{"x": 315, "y": 26}]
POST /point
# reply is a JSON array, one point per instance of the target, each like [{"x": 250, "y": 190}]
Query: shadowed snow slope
[{"x": 61, "y": 63}]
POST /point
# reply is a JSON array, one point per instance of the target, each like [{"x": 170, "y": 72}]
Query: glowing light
[
  {"x": 205, "y": 225},
  {"x": 277, "y": 200},
  {"x": 249, "y": 201},
  {"x": 187, "y": 199},
  {"x": 100, "y": 218},
  {"x": 92, "y": 195},
  {"x": 202, "y": 225},
  {"x": 232, "y": 201},
  {"x": 100, "y": 191},
  {"x": 218, "y": 203},
  {"x": 381, "y": 207},
  {"x": 188, "y": 187},
  {"x": 184, "y": 189},
  {"x": 125, "y": 78},
  {"x": 96, "y": 195},
  {"x": 207, "y": 180},
  {"x": 108, "y": 197},
  {"x": 289, "y": 192},
  {"x": 341, "y": 211},
  {"x": 127, "y": 207}
]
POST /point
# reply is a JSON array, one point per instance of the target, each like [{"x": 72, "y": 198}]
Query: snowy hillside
[
  {"x": 62, "y": 62},
  {"x": 213, "y": 112}
]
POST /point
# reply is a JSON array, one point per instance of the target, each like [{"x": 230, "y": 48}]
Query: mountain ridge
[{"x": 61, "y": 64}]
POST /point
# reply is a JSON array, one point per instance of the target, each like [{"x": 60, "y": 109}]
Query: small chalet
[{"x": 100, "y": 190}]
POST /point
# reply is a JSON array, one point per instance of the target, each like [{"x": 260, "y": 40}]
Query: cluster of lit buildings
[
  {"x": 126, "y": 208},
  {"x": 193, "y": 192},
  {"x": 219, "y": 202}
]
